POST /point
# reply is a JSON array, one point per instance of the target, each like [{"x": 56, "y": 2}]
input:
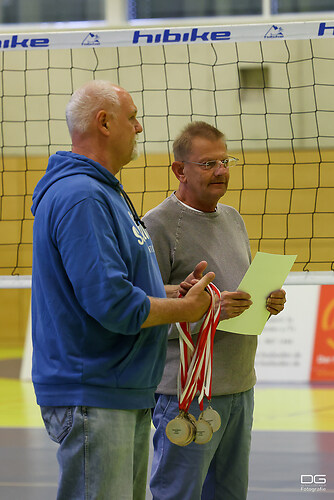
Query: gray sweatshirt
[{"x": 182, "y": 237}]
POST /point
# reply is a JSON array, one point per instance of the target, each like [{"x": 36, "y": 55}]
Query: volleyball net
[{"x": 268, "y": 88}]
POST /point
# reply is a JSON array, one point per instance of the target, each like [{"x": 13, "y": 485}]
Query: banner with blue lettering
[{"x": 175, "y": 35}]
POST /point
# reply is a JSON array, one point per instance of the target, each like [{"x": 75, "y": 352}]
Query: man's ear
[
  {"x": 178, "y": 169},
  {"x": 102, "y": 122}
]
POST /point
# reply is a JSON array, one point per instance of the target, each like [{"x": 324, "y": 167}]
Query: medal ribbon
[{"x": 195, "y": 374}]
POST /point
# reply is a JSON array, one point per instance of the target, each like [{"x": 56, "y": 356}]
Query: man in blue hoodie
[{"x": 99, "y": 306}]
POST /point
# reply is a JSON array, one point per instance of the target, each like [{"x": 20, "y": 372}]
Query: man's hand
[
  {"x": 276, "y": 301},
  {"x": 174, "y": 291},
  {"x": 234, "y": 303},
  {"x": 197, "y": 299},
  {"x": 190, "y": 308},
  {"x": 192, "y": 278}
]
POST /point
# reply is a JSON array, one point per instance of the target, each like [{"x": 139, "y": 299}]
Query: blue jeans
[
  {"x": 103, "y": 453},
  {"x": 217, "y": 470}
]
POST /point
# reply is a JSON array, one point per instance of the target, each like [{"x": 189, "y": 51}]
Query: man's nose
[
  {"x": 139, "y": 127},
  {"x": 221, "y": 168}
]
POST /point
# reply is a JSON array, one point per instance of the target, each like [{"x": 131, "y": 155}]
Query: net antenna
[{"x": 269, "y": 88}]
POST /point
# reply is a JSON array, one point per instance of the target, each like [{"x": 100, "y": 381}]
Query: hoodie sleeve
[{"x": 89, "y": 249}]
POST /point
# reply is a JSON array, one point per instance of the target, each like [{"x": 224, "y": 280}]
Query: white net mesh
[{"x": 274, "y": 100}]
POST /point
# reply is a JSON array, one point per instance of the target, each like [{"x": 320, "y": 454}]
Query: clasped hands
[{"x": 234, "y": 303}]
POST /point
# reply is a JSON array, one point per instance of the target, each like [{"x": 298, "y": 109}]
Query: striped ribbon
[{"x": 195, "y": 373}]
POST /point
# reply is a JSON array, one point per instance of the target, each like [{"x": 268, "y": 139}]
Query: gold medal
[
  {"x": 181, "y": 430},
  {"x": 203, "y": 431},
  {"x": 191, "y": 418},
  {"x": 213, "y": 417},
  {"x": 192, "y": 421}
]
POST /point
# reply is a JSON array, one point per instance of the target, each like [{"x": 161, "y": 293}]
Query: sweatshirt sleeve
[{"x": 100, "y": 278}]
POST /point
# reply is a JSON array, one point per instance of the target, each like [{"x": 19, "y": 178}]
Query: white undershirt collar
[{"x": 192, "y": 208}]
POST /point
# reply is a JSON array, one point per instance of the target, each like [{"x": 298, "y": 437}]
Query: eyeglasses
[{"x": 230, "y": 161}]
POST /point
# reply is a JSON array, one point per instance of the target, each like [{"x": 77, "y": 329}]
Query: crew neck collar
[{"x": 192, "y": 208}]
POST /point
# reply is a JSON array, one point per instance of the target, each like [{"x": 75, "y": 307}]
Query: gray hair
[
  {"x": 87, "y": 101},
  {"x": 183, "y": 142}
]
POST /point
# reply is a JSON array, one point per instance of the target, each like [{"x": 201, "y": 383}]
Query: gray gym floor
[{"x": 28, "y": 466}]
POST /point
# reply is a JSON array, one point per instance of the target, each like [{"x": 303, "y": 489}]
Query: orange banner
[{"x": 323, "y": 352}]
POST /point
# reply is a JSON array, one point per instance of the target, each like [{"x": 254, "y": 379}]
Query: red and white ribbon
[{"x": 195, "y": 374}]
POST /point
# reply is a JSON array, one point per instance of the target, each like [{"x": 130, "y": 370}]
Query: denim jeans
[
  {"x": 217, "y": 470},
  {"x": 102, "y": 454}
]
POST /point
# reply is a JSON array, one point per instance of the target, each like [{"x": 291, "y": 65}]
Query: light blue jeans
[
  {"x": 217, "y": 470},
  {"x": 103, "y": 453}
]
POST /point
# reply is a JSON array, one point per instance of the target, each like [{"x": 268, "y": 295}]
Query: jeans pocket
[
  {"x": 163, "y": 403},
  {"x": 168, "y": 406},
  {"x": 58, "y": 421}
]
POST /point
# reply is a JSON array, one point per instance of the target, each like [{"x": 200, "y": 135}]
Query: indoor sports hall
[{"x": 264, "y": 75}]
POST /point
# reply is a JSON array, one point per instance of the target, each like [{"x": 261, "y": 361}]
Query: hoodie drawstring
[{"x": 132, "y": 208}]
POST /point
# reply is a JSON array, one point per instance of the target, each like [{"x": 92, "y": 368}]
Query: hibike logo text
[
  {"x": 23, "y": 43},
  {"x": 325, "y": 29},
  {"x": 173, "y": 36}
]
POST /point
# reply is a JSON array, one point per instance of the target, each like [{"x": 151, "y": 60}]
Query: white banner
[
  {"x": 168, "y": 36},
  {"x": 286, "y": 344}
]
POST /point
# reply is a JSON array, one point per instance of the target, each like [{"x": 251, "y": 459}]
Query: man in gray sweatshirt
[{"x": 188, "y": 226}]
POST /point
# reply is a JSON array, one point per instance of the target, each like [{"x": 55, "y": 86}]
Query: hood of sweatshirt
[{"x": 65, "y": 164}]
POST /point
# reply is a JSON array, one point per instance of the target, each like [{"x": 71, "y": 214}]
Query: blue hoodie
[{"x": 93, "y": 269}]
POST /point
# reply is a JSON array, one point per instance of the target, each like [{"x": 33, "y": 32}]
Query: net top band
[{"x": 168, "y": 36}]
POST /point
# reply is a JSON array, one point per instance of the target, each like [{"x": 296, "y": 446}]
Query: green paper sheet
[{"x": 266, "y": 274}]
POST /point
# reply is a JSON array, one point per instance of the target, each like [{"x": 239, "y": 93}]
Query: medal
[
  {"x": 192, "y": 421},
  {"x": 191, "y": 418},
  {"x": 213, "y": 417},
  {"x": 203, "y": 431},
  {"x": 195, "y": 376},
  {"x": 181, "y": 430}
]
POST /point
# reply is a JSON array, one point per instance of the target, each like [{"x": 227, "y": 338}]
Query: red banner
[{"x": 323, "y": 352}]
